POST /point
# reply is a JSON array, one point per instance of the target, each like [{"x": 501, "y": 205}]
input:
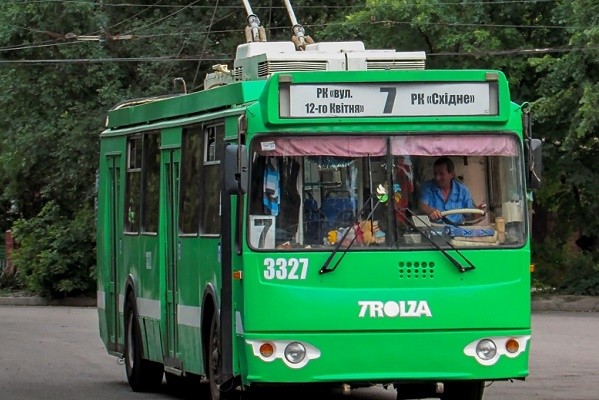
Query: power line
[
  {"x": 208, "y": 31},
  {"x": 526, "y": 52},
  {"x": 163, "y": 18},
  {"x": 239, "y": 31},
  {"x": 49, "y": 43},
  {"x": 130, "y": 5},
  {"x": 120, "y": 5},
  {"x": 204, "y": 43},
  {"x": 110, "y": 59},
  {"x": 461, "y": 24},
  {"x": 149, "y": 7},
  {"x": 194, "y": 5},
  {"x": 547, "y": 50}
]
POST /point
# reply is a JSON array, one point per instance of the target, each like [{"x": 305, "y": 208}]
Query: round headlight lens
[
  {"x": 486, "y": 349},
  {"x": 295, "y": 352}
]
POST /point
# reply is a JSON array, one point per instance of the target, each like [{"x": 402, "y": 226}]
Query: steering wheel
[{"x": 464, "y": 211}]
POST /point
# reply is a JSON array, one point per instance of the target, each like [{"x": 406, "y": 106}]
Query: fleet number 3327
[{"x": 285, "y": 268}]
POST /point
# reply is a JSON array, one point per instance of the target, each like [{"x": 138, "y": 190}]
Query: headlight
[
  {"x": 486, "y": 349},
  {"x": 295, "y": 352}
]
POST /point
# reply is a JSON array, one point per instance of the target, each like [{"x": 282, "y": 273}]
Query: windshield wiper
[
  {"x": 455, "y": 262},
  {"x": 381, "y": 197}
]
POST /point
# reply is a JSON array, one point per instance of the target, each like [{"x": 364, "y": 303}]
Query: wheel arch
[
  {"x": 130, "y": 296},
  {"x": 130, "y": 289},
  {"x": 209, "y": 311}
]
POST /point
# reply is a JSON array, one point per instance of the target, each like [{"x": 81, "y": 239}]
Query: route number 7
[{"x": 391, "y": 91}]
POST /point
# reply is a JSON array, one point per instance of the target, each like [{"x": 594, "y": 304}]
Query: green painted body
[{"x": 322, "y": 310}]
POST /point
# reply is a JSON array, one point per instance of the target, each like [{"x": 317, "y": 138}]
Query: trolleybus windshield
[{"x": 307, "y": 191}]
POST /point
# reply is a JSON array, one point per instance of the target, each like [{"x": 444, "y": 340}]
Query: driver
[{"x": 444, "y": 193}]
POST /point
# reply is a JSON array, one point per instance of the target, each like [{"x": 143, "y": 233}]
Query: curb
[
  {"x": 566, "y": 303},
  {"x": 43, "y": 302}
]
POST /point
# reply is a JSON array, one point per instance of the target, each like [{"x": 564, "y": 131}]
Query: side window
[
  {"x": 151, "y": 182},
  {"x": 133, "y": 184},
  {"x": 191, "y": 167},
  {"x": 210, "y": 177}
]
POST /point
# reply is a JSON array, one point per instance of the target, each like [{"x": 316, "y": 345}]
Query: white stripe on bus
[{"x": 150, "y": 308}]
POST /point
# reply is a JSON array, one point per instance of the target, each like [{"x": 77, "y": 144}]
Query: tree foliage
[
  {"x": 54, "y": 257},
  {"x": 53, "y": 111},
  {"x": 550, "y": 53},
  {"x": 52, "y": 115},
  {"x": 567, "y": 118}
]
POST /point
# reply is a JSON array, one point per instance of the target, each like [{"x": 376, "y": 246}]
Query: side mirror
[
  {"x": 235, "y": 169},
  {"x": 534, "y": 163}
]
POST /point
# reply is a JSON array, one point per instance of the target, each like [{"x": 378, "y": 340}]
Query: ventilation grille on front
[
  {"x": 265, "y": 69},
  {"x": 416, "y": 270},
  {"x": 394, "y": 65}
]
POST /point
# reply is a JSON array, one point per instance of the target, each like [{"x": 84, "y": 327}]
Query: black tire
[
  {"x": 466, "y": 390},
  {"x": 143, "y": 375},
  {"x": 217, "y": 392}
]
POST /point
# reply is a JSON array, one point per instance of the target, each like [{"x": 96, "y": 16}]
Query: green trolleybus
[{"x": 267, "y": 230}]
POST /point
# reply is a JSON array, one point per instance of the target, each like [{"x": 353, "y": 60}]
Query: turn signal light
[
  {"x": 267, "y": 349},
  {"x": 512, "y": 346}
]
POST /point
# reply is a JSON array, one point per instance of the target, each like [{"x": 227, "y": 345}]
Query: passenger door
[
  {"x": 114, "y": 242},
  {"x": 171, "y": 160}
]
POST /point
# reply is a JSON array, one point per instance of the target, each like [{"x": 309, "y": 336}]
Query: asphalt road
[{"x": 55, "y": 353}]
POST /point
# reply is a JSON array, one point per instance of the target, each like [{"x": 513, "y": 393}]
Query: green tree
[
  {"x": 567, "y": 118},
  {"x": 54, "y": 257},
  {"x": 52, "y": 113},
  {"x": 457, "y": 34}
]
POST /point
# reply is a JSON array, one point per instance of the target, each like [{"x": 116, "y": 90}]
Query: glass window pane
[
  {"x": 308, "y": 196},
  {"x": 191, "y": 166},
  {"x": 151, "y": 173},
  {"x": 210, "y": 177},
  {"x": 133, "y": 184}
]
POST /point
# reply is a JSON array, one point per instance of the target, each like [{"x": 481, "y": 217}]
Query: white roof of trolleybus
[{"x": 259, "y": 60}]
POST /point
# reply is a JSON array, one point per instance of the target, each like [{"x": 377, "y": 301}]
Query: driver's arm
[
  {"x": 468, "y": 202},
  {"x": 432, "y": 212},
  {"x": 481, "y": 206},
  {"x": 465, "y": 200},
  {"x": 426, "y": 198}
]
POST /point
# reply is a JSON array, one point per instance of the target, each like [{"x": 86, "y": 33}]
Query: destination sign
[{"x": 389, "y": 100}]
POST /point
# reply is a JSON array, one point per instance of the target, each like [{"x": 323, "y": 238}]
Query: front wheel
[
  {"x": 466, "y": 390},
  {"x": 143, "y": 375},
  {"x": 217, "y": 391}
]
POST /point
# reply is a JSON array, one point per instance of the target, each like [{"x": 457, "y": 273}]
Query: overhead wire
[
  {"x": 208, "y": 31},
  {"x": 513, "y": 52},
  {"x": 466, "y": 4},
  {"x": 149, "y": 7},
  {"x": 204, "y": 45},
  {"x": 161, "y": 19},
  {"x": 382, "y": 22},
  {"x": 111, "y": 59}
]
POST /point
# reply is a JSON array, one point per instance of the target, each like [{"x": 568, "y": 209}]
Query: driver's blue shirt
[{"x": 459, "y": 197}]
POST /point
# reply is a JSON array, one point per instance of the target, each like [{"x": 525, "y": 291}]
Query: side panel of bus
[
  {"x": 110, "y": 227},
  {"x": 190, "y": 206}
]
